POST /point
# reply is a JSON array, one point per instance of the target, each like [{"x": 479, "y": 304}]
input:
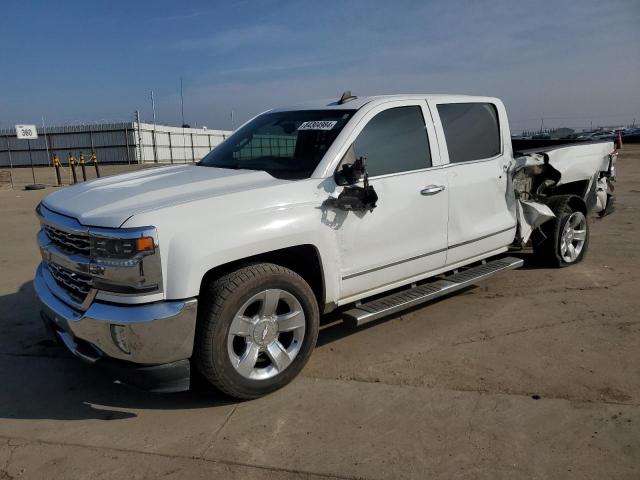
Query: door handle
[{"x": 432, "y": 189}]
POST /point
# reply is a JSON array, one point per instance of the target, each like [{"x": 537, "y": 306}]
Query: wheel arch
[
  {"x": 577, "y": 204},
  {"x": 303, "y": 259}
]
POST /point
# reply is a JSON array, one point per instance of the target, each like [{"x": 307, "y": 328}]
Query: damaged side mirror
[
  {"x": 350, "y": 173},
  {"x": 354, "y": 197}
]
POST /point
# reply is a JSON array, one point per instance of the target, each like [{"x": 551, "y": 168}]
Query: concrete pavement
[{"x": 532, "y": 374}]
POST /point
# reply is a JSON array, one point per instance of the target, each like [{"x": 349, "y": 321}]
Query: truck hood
[{"x": 110, "y": 201}]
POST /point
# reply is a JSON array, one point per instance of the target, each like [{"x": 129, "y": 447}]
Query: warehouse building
[{"x": 129, "y": 142}]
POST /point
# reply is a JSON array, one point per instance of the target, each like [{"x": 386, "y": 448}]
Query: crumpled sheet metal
[{"x": 530, "y": 216}]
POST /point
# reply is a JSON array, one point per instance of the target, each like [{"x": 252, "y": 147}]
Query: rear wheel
[
  {"x": 256, "y": 330},
  {"x": 562, "y": 241}
]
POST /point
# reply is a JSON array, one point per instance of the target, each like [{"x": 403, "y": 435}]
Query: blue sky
[{"x": 572, "y": 63}]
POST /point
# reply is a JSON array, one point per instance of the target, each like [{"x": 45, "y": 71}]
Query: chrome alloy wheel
[
  {"x": 574, "y": 235},
  {"x": 266, "y": 334}
]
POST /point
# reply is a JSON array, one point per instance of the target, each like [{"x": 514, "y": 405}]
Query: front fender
[{"x": 190, "y": 251}]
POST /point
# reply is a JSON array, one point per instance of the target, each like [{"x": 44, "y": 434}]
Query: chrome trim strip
[
  {"x": 61, "y": 294},
  {"x": 481, "y": 238},
  {"x": 399, "y": 262},
  {"x": 50, "y": 252}
]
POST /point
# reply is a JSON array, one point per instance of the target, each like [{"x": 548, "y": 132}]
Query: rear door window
[
  {"x": 472, "y": 130},
  {"x": 394, "y": 141}
]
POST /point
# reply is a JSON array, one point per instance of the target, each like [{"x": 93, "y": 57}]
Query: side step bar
[{"x": 412, "y": 296}]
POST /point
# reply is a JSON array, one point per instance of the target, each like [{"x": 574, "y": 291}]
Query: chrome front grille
[
  {"x": 73, "y": 243},
  {"x": 78, "y": 285}
]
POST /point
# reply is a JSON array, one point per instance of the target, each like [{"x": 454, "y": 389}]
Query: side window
[
  {"x": 471, "y": 130},
  {"x": 395, "y": 140}
]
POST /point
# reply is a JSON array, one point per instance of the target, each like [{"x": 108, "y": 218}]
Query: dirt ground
[{"x": 532, "y": 374}]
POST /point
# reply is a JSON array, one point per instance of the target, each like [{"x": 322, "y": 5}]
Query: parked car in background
[
  {"x": 631, "y": 135},
  {"x": 597, "y": 136}
]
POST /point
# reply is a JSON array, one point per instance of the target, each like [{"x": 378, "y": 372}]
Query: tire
[
  {"x": 551, "y": 242},
  {"x": 257, "y": 327}
]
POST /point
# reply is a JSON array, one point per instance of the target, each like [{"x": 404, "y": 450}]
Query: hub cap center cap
[{"x": 265, "y": 332}]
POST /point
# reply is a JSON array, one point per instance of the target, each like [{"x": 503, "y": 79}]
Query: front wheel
[
  {"x": 257, "y": 327},
  {"x": 563, "y": 240}
]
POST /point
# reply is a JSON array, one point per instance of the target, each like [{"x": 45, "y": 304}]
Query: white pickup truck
[{"x": 367, "y": 205}]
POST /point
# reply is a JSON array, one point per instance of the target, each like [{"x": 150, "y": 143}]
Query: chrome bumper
[{"x": 154, "y": 333}]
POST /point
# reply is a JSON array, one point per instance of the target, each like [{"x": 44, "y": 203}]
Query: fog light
[{"x": 118, "y": 334}]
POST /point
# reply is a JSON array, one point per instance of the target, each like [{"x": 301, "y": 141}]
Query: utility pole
[
  {"x": 184, "y": 146},
  {"x": 153, "y": 109},
  {"x": 182, "y": 101},
  {"x": 46, "y": 141},
  {"x": 232, "y": 129},
  {"x": 141, "y": 157}
]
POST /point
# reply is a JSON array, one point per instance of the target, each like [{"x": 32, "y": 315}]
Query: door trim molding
[
  {"x": 451, "y": 247},
  {"x": 393, "y": 264}
]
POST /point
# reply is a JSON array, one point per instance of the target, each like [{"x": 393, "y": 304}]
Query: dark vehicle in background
[{"x": 631, "y": 135}]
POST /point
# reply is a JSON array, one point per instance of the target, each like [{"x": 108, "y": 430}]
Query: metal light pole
[
  {"x": 46, "y": 141},
  {"x": 34, "y": 185},
  {"x": 184, "y": 142},
  {"x": 27, "y": 132},
  {"x": 10, "y": 162},
  {"x": 141, "y": 157},
  {"x": 153, "y": 109}
]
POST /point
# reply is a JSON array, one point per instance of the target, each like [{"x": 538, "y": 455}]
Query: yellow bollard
[
  {"x": 82, "y": 167},
  {"x": 94, "y": 160},
  {"x": 72, "y": 165},
  {"x": 56, "y": 165}
]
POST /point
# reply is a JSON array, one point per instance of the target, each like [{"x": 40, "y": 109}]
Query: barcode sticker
[{"x": 318, "y": 125}]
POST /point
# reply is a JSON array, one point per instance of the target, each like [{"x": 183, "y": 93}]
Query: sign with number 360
[{"x": 26, "y": 131}]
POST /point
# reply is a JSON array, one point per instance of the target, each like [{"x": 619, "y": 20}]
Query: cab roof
[{"x": 359, "y": 102}]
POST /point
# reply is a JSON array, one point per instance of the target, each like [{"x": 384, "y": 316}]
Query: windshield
[{"x": 286, "y": 145}]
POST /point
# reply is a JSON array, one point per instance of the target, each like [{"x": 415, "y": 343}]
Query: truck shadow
[
  {"x": 41, "y": 380},
  {"x": 333, "y": 328}
]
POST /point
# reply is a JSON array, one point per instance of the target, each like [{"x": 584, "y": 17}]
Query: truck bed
[{"x": 537, "y": 145}]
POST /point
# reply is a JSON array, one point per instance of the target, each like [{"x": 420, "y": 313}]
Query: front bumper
[{"x": 148, "y": 338}]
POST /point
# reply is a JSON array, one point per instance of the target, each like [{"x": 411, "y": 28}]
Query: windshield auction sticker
[{"x": 317, "y": 125}]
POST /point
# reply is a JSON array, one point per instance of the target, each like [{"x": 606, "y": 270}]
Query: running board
[{"x": 415, "y": 295}]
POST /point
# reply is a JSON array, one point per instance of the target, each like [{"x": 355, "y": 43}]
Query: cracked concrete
[{"x": 532, "y": 374}]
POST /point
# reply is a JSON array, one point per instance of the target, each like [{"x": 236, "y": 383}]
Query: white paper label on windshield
[{"x": 318, "y": 125}]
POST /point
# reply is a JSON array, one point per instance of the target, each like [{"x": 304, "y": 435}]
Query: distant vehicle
[
  {"x": 596, "y": 136},
  {"x": 541, "y": 136},
  {"x": 367, "y": 206},
  {"x": 631, "y": 135}
]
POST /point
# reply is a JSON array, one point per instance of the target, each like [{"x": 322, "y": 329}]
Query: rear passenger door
[
  {"x": 481, "y": 217},
  {"x": 406, "y": 234}
]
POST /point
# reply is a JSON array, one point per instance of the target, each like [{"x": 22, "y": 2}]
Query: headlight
[
  {"x": 103, "y": 247},
  {"x": 125, "y": 260}
]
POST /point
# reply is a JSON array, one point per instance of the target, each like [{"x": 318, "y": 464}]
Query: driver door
[{"x": 405, "y": 236}]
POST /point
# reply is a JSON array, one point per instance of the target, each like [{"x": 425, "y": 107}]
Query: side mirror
[
  {"x": 354, "y": 197},
  {"x": 351, "y": 169}
]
